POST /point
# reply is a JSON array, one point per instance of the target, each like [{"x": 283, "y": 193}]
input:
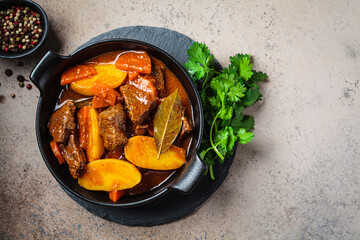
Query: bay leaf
[{"x": 167, "y": 122}]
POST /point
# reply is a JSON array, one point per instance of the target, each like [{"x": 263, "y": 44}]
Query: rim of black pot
[
  {"x": 166, "y": 188},
  {"x": 6, "y": 4}
]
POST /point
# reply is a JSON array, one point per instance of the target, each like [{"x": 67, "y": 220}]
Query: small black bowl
[
  {"x": 46, "y": 77},
  {"x": 6, "y": 4}
]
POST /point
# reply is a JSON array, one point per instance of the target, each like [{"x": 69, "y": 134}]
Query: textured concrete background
[{"x": 298, "y": 179}]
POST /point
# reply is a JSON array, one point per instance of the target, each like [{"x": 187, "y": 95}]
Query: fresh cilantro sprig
[{"x": 224, "y": 94}]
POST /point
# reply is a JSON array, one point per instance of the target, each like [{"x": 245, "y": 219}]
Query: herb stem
[
  {"x": 207, "y": 76},
  {"x": 211, "y": 138},
  {"x": 203, "y": 156},
  {"x": 211, "y": 172}
]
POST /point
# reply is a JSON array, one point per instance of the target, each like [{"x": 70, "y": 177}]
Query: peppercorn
[
  {"x": 12, "y": 95},
  {"x": 8, "y": 72},
  {"x": 20, "y": 78},
  {"x": 17, "y": 24},
  {"x": 28, "y": 86},
  {"x": 21, "y": 84}
]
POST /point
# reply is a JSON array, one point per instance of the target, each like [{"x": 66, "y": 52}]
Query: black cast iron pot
[{"x": 46, "y": 77}]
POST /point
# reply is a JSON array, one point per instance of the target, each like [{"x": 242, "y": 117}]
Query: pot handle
[
  {"x": 45, "y": 68},
  {"x": 190, "y": 175}
]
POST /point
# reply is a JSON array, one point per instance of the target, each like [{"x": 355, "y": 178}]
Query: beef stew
[{"x": 104, "y": 133}]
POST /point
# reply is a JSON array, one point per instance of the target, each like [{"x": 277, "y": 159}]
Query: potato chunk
[
  {"x": 95, "y": 146},
  {"x": 109, "y": 175},
  {"x": 142, "y": 152},
  {"x": 107, "y": 74}
]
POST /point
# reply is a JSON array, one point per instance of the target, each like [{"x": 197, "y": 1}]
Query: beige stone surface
[{"x": 298, "y": 179}]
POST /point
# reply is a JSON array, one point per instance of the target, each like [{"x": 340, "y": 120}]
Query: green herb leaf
[
  {"x": 232, "y": 139},
  {"x": 242, "y": 62},
  {"x": 237, "y": 117},
  {"x": 215, "y": 101},
  {"x": 224, "y": 95},
  {"x": 226, "y": 113},
  {"x": 195, "y": 69},
  {"x": 236, "y": 92},
  {"x": 258, "y": 76},
  {"x": 200, "y": 62},
  {"x": 246, "y": 122},
  {"x": 251, "y": 96},
  {"x": 244, "y": 136}
]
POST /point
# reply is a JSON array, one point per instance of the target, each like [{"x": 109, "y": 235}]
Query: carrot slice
[
  {"x": 56, "y": 150},
  {"x": 83, "y": 122},
  {"x": 97, "y": 102},
  {"x": 105, "y": 92},
  {"x": 132, "y": 75},
  {"x": 138, "y": 61},
  {"x": 115, "y": 195},
  {"x": 77, "y": 73}
]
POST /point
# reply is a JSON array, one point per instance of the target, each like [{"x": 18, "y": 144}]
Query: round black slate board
[{"x": 173, "y": 205}]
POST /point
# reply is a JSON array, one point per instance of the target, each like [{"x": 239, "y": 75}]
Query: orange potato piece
[
  {"x": 95, "y": 148},
  {"x": 142, "y": 152},
  {"x": 135, "y": 61},
  {"x": 107, "y": 74},
  {"x": 76, "y": 73},
  {"x": 109, "y": 174}
]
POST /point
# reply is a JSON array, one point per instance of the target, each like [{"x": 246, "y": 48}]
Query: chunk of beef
[
  {"x": 158, "y": 68},
  {"x": 139, "y": 104},
  {"x": 186, "y": 127},
  {"x": 145, "y": 83},
  {"x": 112, "y": 124},
  {"x": 74, "y": 156},
  {"x": 136, "y": 130},
  {"x": 62, "y": 122}
]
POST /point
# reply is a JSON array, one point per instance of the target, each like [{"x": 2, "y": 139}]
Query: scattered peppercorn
[
  {"x": 19, "y": 26},
  {"x": 20, "y": 78},
  {"x": 8, "y": 72},
  {"x": 21, "y": 84},
  {"x": 12, "y": 95},
  {"x": 28, "y": 86}
]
